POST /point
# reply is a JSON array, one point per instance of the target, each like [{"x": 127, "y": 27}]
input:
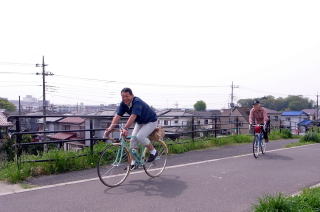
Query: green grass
[
  {"x": 27, "y": 186},
  {"x": 64, "y": 161},
  {"x": 283, "y": 134},
  {"x": 187, "y": 144},
  {"x": 300, "y": 143},
  {"x": 309, "y": 138},
  {"x": 68, "y": 161},
  {"x": 307, "y": 201}
]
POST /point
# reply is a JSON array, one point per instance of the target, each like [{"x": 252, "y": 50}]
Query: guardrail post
[
  {"x": 215, "y": 126},
  {"x": 192, "y": 128},
  {"x": 91, "y": 137},
  {"x": 18, "y": 139},
  {"x": 237, "y": 125}
]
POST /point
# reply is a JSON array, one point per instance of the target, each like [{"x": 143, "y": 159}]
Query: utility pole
[
  {"x": 19, "y": 106},
  {"x": 232, "y": 94},
  {"x": 177, "y": 105},
  {"x": 44, "y": 74}
]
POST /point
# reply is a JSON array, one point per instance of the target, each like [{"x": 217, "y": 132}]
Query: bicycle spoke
[
  {"x": 156, "y": 167},
  {"x": 114, "y": 173}
]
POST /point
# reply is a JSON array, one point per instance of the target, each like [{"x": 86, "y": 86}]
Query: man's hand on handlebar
[
  {"x": 107, "y": 132},
  {"x": 125, "y": 132}
]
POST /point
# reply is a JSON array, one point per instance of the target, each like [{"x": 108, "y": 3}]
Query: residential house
[
  {"x": 305, "y": 126},
  {"x": 312, "y": 113},
  {"x": 175, "y": 121},
  {"x": 100, "y": 120},
  {"x": 31, "y": 123},
  {"x": 291, "y": 119},
  {"x": 51, "y": 123},
  {"x": 235, "y": 120},
  {"x": 4, "y": 124},
  {"x": 174, "y": 118},
  {"x": 70, "y": 123},
  {"x": 274, "y": 117},
  {"x": 207, "y": 120}
]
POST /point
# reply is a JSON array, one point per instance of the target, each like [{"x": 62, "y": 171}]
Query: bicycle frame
[
  {"x": 138, "y": 156},
  {"x": 122, "y": 158},
  {"x": 257, "y": 130},
  {"x": 260, "y": 137}
]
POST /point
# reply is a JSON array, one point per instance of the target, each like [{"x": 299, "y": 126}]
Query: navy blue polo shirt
[{"x": 144, "y": 113}]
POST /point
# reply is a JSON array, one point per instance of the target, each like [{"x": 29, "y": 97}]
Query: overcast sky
[{"x": 168, "y": 52}]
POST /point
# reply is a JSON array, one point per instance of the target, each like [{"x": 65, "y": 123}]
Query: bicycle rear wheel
[
  {"x": 113, "y": 166},
  {"x": 255, "y": 146},
  {"x": 156, "y": 167}
]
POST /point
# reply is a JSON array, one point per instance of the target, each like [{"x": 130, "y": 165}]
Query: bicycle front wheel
[
  {"x": 263, "y": 146},
  {"x": 156, "y": 167},
  {"x": 113, "y": 166},
  {"x": 255, "y": 146}
]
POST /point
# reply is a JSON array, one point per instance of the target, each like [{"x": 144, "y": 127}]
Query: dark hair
[
  {"x": 127, "y": 90},
  {"x": 256, "y": 102}
]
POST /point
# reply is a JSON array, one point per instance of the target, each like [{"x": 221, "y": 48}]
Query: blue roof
[
  {"x": 294, "y": 113},
  {"x": 305, "y": 123}
]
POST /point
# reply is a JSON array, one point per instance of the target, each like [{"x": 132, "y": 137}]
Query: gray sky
[{"x": 265, "y": 47}]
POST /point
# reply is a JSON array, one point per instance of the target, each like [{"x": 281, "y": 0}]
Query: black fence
[{"x": 91, "y": 130}]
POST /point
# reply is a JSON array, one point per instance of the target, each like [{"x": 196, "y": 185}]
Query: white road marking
[{"x": 138, "y": 172}]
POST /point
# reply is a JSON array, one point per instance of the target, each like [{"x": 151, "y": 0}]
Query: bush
[
  {"x": 7, "y": 149},
  {"x": 63, "y": 161},
  {"x": 14, "y": 174},
  {"x": 188, "y": 145},
  {"x": 311, "y": 137},
  {"x": 309, "y": 200},
  {"x": 277, "y": 203},
  {"x": 283, "y": 134},
  {"x": 286, "y": 133}
]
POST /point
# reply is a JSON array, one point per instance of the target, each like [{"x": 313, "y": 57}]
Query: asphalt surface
[
  {"x": 187, "y": 157},
  {"x": 232, "y": 182}
]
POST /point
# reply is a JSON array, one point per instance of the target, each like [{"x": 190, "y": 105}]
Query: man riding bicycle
[
  {"x": 258, "y": 115},
  {"x": 142, "y": 115}
]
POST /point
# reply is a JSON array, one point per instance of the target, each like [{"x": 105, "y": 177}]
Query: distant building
[
  {"x": 235, "y": 120},
  {"x": 4, "y": 124},
  {"x": 70, "y": 123},
  {"x": 312, "y": 113},
  {"x": 291, "y": 119}
]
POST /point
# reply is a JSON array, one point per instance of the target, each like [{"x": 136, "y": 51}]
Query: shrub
[{"x": 311, "y": 137}]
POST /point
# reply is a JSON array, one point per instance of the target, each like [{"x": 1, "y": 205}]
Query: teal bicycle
[{"x": 114, "y": 165}]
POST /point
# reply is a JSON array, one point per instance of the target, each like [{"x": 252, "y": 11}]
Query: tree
[
  {"x": 200, "y": 106},
  {"x": 280, "y": 104},
  {"x": 245, "y": 102},
  {"x": 5, "y": 104}
]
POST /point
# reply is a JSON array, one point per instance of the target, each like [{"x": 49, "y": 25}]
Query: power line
[
  {"x": 18, "y": 85},
  {"x": 18, "y": 81},
  {"x": 14, "y": 63},
  {"x": 10, "y": 72},
  {"x": 144, "y": 84}
]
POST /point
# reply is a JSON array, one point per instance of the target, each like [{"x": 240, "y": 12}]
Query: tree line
[{"x": 280, "y": 104}]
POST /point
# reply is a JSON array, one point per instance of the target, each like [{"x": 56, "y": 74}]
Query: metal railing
[{"x": 214, "y": 126}]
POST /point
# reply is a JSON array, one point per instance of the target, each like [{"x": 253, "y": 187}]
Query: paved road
[
  {"x": 187, "y": 157},
  {"x": 224, "y": 184}
]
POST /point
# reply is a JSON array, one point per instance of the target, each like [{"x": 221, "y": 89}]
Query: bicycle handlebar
[{"x": 257, "y": 125}]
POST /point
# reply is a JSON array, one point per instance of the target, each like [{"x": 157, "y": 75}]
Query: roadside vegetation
[
  {"x": 65, "y": 161},
  {"x": 308, "y": 200}
]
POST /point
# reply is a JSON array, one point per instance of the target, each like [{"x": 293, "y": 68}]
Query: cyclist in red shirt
[{"x": 258, "y": 115}]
